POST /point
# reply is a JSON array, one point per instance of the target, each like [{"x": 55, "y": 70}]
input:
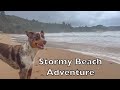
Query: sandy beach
[{"x": 107, "y": 70}]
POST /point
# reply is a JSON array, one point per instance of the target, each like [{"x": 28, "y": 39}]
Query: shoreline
[
  {"x": 85, "y": 53},
  {"x": 105, "y": 57}
]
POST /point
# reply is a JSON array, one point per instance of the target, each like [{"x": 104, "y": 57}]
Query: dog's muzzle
[{"x": 41, "y": 46}]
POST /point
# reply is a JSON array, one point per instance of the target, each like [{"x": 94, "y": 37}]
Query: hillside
[{"x": 14, "y": 24}]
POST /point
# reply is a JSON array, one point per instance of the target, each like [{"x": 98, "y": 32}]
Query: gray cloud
[{"x": 76, "y": 18}]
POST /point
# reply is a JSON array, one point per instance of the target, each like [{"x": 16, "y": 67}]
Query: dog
[{"x": 21, "y": 57}]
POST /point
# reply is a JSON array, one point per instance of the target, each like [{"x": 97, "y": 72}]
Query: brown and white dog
[{"x": 21, "y": 56}]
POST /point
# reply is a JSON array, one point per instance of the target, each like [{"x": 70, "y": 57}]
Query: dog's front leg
[
  {"x": 29, "y": 73},
  {"x": 23, "y": 73}
]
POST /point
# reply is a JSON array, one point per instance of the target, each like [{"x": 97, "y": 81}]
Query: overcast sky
[{"x": 76, "y": 18}]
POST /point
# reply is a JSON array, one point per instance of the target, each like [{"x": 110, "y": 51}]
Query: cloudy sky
[{"x": 76, "y": 18}]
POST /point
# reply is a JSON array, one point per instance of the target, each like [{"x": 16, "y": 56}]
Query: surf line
[{"x": 67, "y": 62}]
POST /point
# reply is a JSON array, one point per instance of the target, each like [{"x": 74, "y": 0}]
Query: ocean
[{"x": 105, "y": 45}]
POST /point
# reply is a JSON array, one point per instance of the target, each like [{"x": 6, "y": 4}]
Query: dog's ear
[
  {"x": 42, "y": 31},
  {"x": 42, "y": 34},
  {"x": 29, "y": 34}
]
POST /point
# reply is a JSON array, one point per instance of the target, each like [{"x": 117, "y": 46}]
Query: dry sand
[{"x": 108, "y": 70}]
